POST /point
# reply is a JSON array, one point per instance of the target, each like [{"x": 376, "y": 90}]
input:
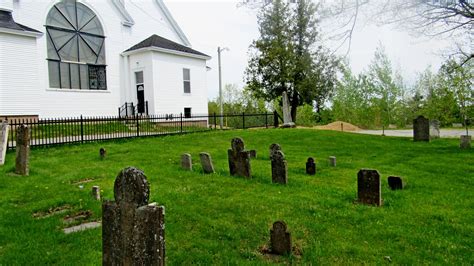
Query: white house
[{"x": 90, "y": 57}]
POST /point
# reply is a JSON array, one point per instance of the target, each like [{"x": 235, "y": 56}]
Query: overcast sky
[{"x": 209, "y": 24}]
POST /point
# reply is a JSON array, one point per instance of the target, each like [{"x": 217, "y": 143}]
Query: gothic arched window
[{"x": 76, "y": 52}]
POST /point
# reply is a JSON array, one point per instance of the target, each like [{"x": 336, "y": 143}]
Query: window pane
[
  {"x": 69, "y": 51},
  {"x": 102, "y": 78},
  {"x": 84, "y": 77},
  {"x": 94, "y": 42},
  {"x": 84, "y": 16},
  {"x": 65, "y": 76},
  {"x": 93, "y": 27},
  {"x": 57, "y": 20},
  {"x": 51, "y": 50},
  {"x": 68, "y": 9},
  {"x": 86, "y": 54},
  {"x": 186, "y": 74},
  {"x": 139, "y": 77},
  {"x": 53, "y": 69},
  {"x": 187, "y": 87},
  {"x": 101, "y": 59},
  {"x": 93, "y": 79},
  {"x": 187, "y": 112},
  {"x": 60, "y": 37},
  {"x": 75, "y": 76}
]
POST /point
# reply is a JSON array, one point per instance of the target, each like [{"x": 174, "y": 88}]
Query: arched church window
[{"x": 76, "y": 51}]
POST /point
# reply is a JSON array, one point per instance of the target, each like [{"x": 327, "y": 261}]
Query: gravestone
[
  {"x": 253, "y": 154},
  {"x": 465, "y": 142},
  {"x": 102, "y": 153},
  {"x": 96, "y": 192},
  {"x": 3, "y": 141},
  {"x": 310, "y": 166},
  {"x": 332, "y": 161},
  {"x": 395, "y": 182},
  {"x": 279, "y": 168},
  {"x": 368, "y": 187},
  {"x": 186, "y": 162},
  {"x": 133, "y": 231},
  {"x": 434, "y": 129},
  {"x": 280, "y": 239},
  {"x": 287, "y": 120},
  {"x": 22, "y": 150},
  {"x": 239, "y": 159},
  {"x": 421, "y": 129},
  {"x": 206, "y": 162},
  {"x": 273, "y": 148}
]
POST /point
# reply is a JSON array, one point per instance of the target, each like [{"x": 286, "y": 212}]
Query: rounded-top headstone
[
  {"x": 278, "y": 155},
  {"x": 131, "y": 186},
  {"x": 237, "y": 144},
  {"x": 279, "y": 227},
  {"x": 275, "y": 147},
  {"x": 310, "y": 160},
  {"x": 23, "y": 135}
]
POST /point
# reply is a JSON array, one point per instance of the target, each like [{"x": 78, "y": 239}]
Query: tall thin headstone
[
  {"x": 310, "y": 166},
  {"x": 22, "y": 150},
  {"x": 287, "y": 120},
  {"x": 280, "y": 239},
  {"x": 96, "y": 192},
  {"x": 133, "y": 231},
  {"x": 368, "y": 187},
  {"x": 3, "y": 141},
  {"x": 279, "y": 168},
  {"x": 434, "y": 129},
  {"x": 465, "y": 142},
  {"x": 186, "y": 162},
  {"x": 421, "y": 129},
  {"x": 239, "y": 159},
  {"x": 102, "y": 153},
  {"x": 206, "y": 162},
  {"x": 273, "y": 148},
  {"x": 332, "y": 161}
]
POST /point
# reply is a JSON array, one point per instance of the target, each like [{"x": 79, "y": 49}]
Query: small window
[
  {"x": 187, "y": 80},
  {"x": 187, "y": 112},
  {"x": 139, "y": 77}
]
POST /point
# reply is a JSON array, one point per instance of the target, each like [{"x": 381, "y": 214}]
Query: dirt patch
[
  {"x": 77, "y": 217},
  {"x": 339, "y": 126},
  {"x": 51, "y": 211},
  {"x": 267, "y": 254}
]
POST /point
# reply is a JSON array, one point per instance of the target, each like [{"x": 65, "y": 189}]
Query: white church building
[{"x": 92, "y": 57}]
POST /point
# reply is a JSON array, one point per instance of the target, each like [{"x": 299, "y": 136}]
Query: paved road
[{"x": 444, "y": 133}]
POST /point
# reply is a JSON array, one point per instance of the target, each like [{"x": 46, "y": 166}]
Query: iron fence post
[
  {"x": 181, "y": 122},
  {"x": 138, "y": 126},
  {"x": 215, "y": 121},
  {"x": 275, "y": 119},
  {"x": 82, "y": 130},
  {"x": 243, "y": 120}
]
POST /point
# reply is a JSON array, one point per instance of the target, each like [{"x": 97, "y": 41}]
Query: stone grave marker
[
  {"x": 332, "y": 161},
  {"x": 102, "y": 153},
  {"x": 239, "y": 159},
  {"x": 279, "y": 168},
  {"x": 280, "y": 239},
  {"x": 310, "y": 166},
  {"x": 465, "y": 142},
  {"x": 368, "y": 187},
  {"x": 3, "y": 141},
  {"x": 206, "y": 162},
  {"x": 287, "y": 120},
  {"x": 273, "y": 148},
  {"x": 253, "y": 154},
  {"x": 395, "y": 182},
  {"x": 133, "y": 231},
  {"x": 186, "y": 162},
  {"x": 421, "y": 129},
  {"x": 22, "y": 150},
  {"x": 96, "y": 192},
  {"x": 434, "y": 129}
]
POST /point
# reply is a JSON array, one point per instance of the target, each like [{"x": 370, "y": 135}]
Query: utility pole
[{"x": 221, "y": 103}]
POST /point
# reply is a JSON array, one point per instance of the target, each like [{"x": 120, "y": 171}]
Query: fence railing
[{"x": 45, "y": 132}]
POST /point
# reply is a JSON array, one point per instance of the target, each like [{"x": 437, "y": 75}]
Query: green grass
[{"x": 219, "y": 219}]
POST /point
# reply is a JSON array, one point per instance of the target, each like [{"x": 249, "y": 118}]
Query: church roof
[
  {"x": 7, "y": 22},
  {"x": 156, "y": 41}
]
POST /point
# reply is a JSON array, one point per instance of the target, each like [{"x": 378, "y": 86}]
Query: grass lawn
[{"x": 219, "y": 219}]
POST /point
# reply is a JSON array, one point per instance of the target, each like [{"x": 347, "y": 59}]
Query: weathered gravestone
[
  {"x": 102, "y": 153},
  {"x": 395, "y": 182},
  {"x": 186, "y": 162},
  {"x": 279, "y": 168},
  {"x": 310, "y": 166},
  {"x": 253, "y": 154},
  {"x": 96, "y": 192},
  {"x": 421, "y": 129},
  {"x": 280, "y": 239},
  {"x": 273, "y": 148},
  {"x": 133, "y": 231},
  {"x": 465, "y": 142},
  {"x": 368, "y": 187},
  {"x": 22, "y": 150},
  {"x": 287, "y": 120},
  {"x": 332, "y": 161},
  {"x": 434, "y": 129},
  {"x": 206, "y": 162},
  {"x": 3, "y": 141},
  {"x": 239, "y": 159}
]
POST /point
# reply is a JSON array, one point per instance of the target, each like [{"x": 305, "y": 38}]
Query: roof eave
[
  {"x": 21, "y": 32},
  {"x": 173, "y": 23},
  {"x": 166, "y": 51}
]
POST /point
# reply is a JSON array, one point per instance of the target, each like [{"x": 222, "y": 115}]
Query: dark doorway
[{"x": 140, "y": 92}]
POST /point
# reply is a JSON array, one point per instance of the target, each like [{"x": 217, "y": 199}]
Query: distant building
[{"x": 71, "y": 58}]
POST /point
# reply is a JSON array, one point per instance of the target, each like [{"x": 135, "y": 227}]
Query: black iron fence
[{"x": 45, "y": 132}]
